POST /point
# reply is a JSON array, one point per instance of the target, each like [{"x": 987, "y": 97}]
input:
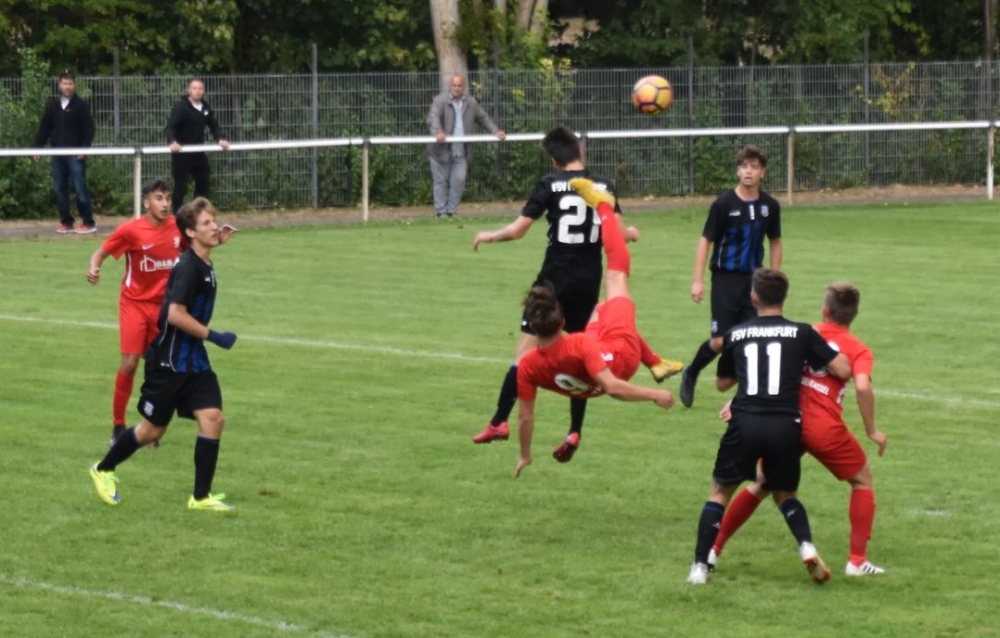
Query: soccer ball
[{"x": 652, "y": 95}]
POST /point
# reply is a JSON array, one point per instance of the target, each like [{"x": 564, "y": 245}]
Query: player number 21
[
  {"x": 569, "y": 224},
  {"x": 773, "y": 351}
]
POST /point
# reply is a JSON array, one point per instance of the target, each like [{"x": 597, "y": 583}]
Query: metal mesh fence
[{"x": 133, "y": 110}]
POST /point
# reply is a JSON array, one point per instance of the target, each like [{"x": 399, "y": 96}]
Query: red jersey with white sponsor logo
[
  {"x": 821, "y": 393},
  {"x": 570, "y": 365},
  {"x": 150, "y": 254}
]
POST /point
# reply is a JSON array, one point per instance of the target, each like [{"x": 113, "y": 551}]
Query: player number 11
[{"x": 773, "y": 368}]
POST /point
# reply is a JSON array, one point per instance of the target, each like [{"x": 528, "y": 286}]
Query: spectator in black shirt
[
  {"x": 67, "y": 123},
  {"x": 187, "y": 125}
]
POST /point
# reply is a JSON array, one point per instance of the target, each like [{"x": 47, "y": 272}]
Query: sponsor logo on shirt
[
  {"x": 148, "y": 264},
  {"x": 734, "y": 213}
]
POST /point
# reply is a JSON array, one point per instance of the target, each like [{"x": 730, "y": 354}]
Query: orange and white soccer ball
[{"x": 652, "y": 95}]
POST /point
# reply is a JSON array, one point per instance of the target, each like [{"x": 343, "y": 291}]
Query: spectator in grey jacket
[
  {"x": 453, "y": 113},
  {"x": 67, "y": 123}
]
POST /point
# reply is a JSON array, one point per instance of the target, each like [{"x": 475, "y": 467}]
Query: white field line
[
  {"x": 218, "y": 614},
  {"x": 951, "y": 400}
]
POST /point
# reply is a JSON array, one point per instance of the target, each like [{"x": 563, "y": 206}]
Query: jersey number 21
[{"x": 570, "y": 224}]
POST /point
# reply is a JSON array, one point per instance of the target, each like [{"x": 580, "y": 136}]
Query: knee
[
  {"x": 863, "y": 479},
  {"x": 129, "y": 366},
  {"x": 211, "y": 423}
]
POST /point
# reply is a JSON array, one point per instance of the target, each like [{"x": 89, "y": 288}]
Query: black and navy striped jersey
[
  {"x": 191, "y": 284},
  {"x": 737, "y": 229},
  {"x": 766, "y": 356},
  {"x": 574, "y": 228}
]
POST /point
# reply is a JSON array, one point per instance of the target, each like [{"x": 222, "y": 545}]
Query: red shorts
[
  {"x": 836, "y": 448},
  {"x": 616, "y": 335},
  {"x": 137, "y": 324}
]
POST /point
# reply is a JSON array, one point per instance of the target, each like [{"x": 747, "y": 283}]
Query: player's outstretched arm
[
  {"x": 625, "y": 391},
  {"x": 525, "y": 432},
  {"x": 514, "y": 230}
]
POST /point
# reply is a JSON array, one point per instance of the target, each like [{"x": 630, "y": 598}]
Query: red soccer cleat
[
  {"x": 564, "y": 453},
  {"x": 65, "y": 228},
  {"x": 493, "y": 433}
]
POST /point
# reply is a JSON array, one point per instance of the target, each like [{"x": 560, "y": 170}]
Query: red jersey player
[
  {"x": 151, "y": 245},
  {"x": 825, "y": 434},
  {"x": 599, "y": 360}
]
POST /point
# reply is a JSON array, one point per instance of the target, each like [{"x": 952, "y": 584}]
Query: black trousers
[{"x": 187, "y": 165}]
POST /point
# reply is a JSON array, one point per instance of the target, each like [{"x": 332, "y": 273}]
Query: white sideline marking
[
  {"x": 457, "y": 356},
  {"x": 219, "y": 614}
]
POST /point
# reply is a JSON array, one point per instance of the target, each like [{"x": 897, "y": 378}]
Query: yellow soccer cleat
[
  {"x": 665, "y": 369},
  {"x": 212, "y": 502},
  {"x": 591, "y": 194},
  {"x": 106, "y": 484}
]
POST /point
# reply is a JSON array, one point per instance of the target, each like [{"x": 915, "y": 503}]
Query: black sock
[
  {"x": 708, "y": 528},
  {"x": 702, "y": 358},
  {"x": 507, "y": 398},
  {"x": 124, "y": 447},
  {"x": 577, "y": 410},
  {"x": 206, "y": 456},
  {"x": 797, "y": 520}
]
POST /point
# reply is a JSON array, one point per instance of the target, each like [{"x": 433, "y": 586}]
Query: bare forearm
[
  {"x": 866, "y": 406},
  {"x": 179, "y": 317}
]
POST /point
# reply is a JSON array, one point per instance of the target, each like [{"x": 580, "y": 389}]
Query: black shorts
[
  {"x": 577, "y": 296},
  {"x": 776, "y": 440},
  {"x": 164, "y": 392},
  {"x": 731, "y": 303}
]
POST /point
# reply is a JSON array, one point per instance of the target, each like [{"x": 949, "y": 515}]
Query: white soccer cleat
[
  {"x": 698, "y": 574},
  {"x": 864, "y": 569},
  {"x": 814, "y": 564}
]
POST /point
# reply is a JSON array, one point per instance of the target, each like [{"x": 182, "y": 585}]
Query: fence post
[
  {"x": 583, "y": 148},
  {"x": 116, "y": 99},
  {"x": 868, "y": 112},
  {"x": 790, "y": 154},
  {"x": 990, "y": 139},
  {"x": 137, "y": 183},
  {"x": 690, "y": 141},
  {"x": 364, "y": 179},
  {"x": 315, "y": 125}
]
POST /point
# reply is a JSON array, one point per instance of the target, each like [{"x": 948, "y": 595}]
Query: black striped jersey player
[{"x": 737, "y": 224}]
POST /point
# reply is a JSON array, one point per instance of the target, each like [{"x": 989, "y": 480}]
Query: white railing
[{"x": 365, "y": 143}]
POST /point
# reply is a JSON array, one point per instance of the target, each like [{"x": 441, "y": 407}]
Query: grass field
[{"x": 368, "y": 356}]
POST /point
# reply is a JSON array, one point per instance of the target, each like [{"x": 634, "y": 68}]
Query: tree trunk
[
  {"x": 451, "y": 59},
  {"x": 525, "y": 9},
  {"x": 539, "y": 18}
]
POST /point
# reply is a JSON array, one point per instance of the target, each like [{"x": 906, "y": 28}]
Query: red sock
[
  {"x": 738, "y": 512},
  {"x": 646, "y": 354},
  {"x": 123, "y": 392},
  {"x": 614, "y": 244},
  {"x": 862, "y": 514}
]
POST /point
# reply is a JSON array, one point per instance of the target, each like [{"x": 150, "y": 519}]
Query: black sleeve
[
  {"x": 712, "y": 225},
  {"x": 727, "y": 367},
  {"x": 213, "y": 125},
  {"x": 183, "y": 286},
  {"x": 174, "y": 122},
  {"x": 818, "y": 351},
  {"x": 538, "y": 202},
  {"x": 88, "y": 124},
  {"x": 774, "y": 228},
  {"x": 44, "y": 127}
]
